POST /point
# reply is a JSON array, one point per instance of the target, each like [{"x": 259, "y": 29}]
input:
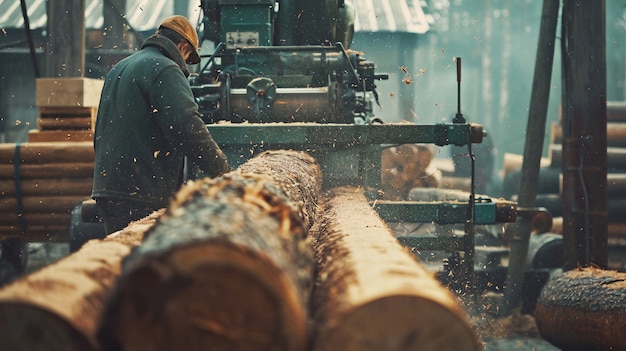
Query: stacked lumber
[
  {"x": 57, "y": 307},
  {"x": 371, "y": 293},
  {"x": 40, "y": 184},
  {"x": 583, "y": 309},
  {"x": 228, "y": 267},
  {"x": 67, "y": 109}
]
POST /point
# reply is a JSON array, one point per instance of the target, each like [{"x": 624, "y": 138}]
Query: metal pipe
[{"x": 533, "y": 149}]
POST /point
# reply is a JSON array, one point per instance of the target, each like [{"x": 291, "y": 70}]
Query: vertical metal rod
[{"x": 533, "y": 149}]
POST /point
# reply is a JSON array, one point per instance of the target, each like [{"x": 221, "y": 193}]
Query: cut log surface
[
  {"x": 371, "y": 293},
  {"x": 227, "y": 268},
  {"x": 57, "y": 307},
  {"x": 583, "y": 309}
]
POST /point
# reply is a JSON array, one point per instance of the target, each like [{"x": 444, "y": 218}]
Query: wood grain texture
[{"x": 371, "y": 293}]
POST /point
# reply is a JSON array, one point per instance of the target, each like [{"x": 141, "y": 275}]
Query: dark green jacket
[{"x": 147, "y": 123}]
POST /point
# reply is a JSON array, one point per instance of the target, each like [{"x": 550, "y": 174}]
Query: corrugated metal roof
[
  {"x": 141, "y": 14},
  {"x": 371, "y": 15},
  {"x": 390, "y": 16}
]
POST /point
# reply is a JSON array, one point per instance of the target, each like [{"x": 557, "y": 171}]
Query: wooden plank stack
[
  {"x": 43, "y": 179},
  {"x": 67, "y": 109}
]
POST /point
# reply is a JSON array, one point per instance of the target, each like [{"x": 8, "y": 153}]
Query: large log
[
  {"x": 47, "y": 186},
  {"x": 57, "y": 307},
  {"x": 227, "y": 268},
  {"x": 616, "y": 157},
  {"x": 40, "y": 203},
  {"x": 583, "y": 309},
  {"x": 48, "y": 152},
  {"x": 77, "y": 169},
  {"x": 615, "y": 134},
  {"x": 371, "y": 293}
]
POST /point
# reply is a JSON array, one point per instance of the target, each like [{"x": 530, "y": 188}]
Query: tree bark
[
  {"x": 371, "y": 293},
  {"x": 57, "y": 307},
  {"x": 227, "y": 268},
  {"x": 583, "y": 309}
]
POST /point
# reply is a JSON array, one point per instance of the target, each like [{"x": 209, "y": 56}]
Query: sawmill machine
[{"x": 282, "y": 75}]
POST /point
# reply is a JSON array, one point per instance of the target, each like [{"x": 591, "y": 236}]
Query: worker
[{"x": 147, "y": 124}]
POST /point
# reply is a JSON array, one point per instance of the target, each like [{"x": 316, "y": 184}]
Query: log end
[
  {"x": 26, "y": 327},
  {"x": 205, "y": 294},
  {"x": 398, "y": 323},
  {"x": 583, "y": 309}
]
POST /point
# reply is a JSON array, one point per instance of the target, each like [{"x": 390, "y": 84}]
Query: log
[
  {"x": 583, "y": 309},
  {"x": 37, "y": 219},
  {"x": 615, "y": 134},
  {"x": 616, "y": 157},
  {"x": 513, "y": 162},
  {"x": 616, "y": 111},
  {"x": 48, "y": 152},
  {"x": 56, "y": 308},
  {"x": 40, "y": 204},
  {"x": 615, "y": 185},
  {"x": 616, "y": 230},
  {"x": 48, "y": 187},
  {"x": 371, "y": 293},
  {"x": 60, "y": 136},
  {"x": 227, "y": 268},
  {"x": 76, "y": 169}
]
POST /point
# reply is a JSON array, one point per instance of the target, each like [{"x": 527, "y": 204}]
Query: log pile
[
  {"x": 550, "y": 177},
  {"x": 405, "y": 167},
  {"x": 371, "y": 293},
  {"x": 583, "y": 309},
  {"x": 57, "y": 307},
  {"x": 228, "y": 267},
  {"x": 40, "y": 183}
]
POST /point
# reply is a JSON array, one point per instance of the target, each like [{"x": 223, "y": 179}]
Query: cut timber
[
  {"x": 227, "y": 268},
  {"x": 57, "y": 307},
  {"x": 52, "y": 152},
  {"x": 67, "y": 118},
  {"x": 74, "y": 91},
  {"x": 38, "y": 136},
  {"x": 48, "y": 186},
  {"x": 371, "y": 293},
  {"x": 48, "y": 171},
  {"x": 583, "y": 309}
]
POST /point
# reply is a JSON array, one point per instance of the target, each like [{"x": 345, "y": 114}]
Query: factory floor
[{"x": 514, "y": 332}]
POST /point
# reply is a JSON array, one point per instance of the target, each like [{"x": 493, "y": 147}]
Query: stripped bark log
[
  {"x": 227, "y": 268},
  {"x": 583, "y": 309},
  {"x": 57, "y": 307},
  {"x": 371, "y": 293}
]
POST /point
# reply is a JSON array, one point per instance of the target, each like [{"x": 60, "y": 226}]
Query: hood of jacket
[{"x": 168, "y": 48}]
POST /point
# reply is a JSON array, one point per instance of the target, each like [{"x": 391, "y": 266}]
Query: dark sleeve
[{"x": 176, "y": 112}]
